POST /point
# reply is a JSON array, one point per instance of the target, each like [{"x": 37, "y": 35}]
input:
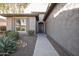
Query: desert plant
[{"x": 7, "y": 45}]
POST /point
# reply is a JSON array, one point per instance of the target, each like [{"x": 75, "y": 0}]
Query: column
[
  {"x": 27, "y": 24},
  {"x": 9, "y": 24},
  {"x": 13, "y": 24}
]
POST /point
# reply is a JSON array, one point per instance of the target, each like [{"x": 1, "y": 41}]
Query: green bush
[
  {"x": 7, "y": 45},
  {"x": 13, "y": 35},
  {"x": 7, "y": 32},
  {"x": 31, "y": 32},
  {"x": 23, "y": 29}
]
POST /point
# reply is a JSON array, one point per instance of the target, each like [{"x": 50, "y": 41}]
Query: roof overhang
[
  {"x": 49, "y": 10},
  {"x": 38, "y": 12},
  {"x": 19, "y": 15}
]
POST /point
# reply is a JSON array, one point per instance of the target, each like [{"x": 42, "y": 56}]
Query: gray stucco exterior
[{"x": 63, "y": 26}]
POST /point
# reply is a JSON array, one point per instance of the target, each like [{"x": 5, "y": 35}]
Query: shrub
[
  {"x": 23, "y": 29},
  {"x": 7, "y": 45},
  {"x": 7, "y": 32},
  {"x": 13, "y": 35},
  {"x": 31, "y": 32}
]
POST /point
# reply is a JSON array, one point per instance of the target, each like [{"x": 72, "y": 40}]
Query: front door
[{"x": 41, "y": 27}]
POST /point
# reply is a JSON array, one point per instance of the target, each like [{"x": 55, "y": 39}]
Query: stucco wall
[
  {"x": 32, "y": 23},
  {"x": 63, "y": 26},
  {"x": 41, "y": 16},
  {"x": 3, "y": 22}
]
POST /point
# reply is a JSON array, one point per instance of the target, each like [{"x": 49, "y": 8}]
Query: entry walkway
[{"x": 43, "y": 47}]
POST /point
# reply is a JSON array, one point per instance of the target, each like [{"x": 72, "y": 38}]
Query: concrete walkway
[{"x": 43, "y": 47}]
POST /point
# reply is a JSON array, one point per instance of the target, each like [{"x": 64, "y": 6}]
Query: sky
[
  {"x": 25, "y": 1},
  {"x": 36, "y": 7}
]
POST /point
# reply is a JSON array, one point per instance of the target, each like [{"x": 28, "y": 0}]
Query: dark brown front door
[{"x": 41, "y": 27}]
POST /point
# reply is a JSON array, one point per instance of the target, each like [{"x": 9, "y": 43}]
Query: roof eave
[{"x": 49, "y": 10}]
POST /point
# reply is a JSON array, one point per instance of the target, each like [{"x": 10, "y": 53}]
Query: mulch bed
[{"x": 26, "y": 45}]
